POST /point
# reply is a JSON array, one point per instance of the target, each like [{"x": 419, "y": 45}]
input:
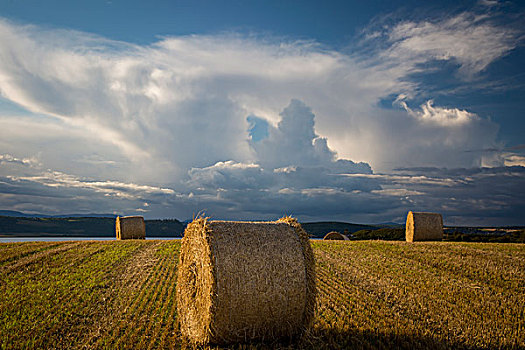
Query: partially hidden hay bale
[
  {"x": 335, "y": 236},
  {"x": 244, "y": 281},
  {"x": 424, "y": 227},
  {"x": 130, "y": 227}
]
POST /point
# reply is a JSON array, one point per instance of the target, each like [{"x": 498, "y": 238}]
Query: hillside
[
  {"x": 371, "y": 294},
  {"x": 11, "y": 226},
  {"x": 25, "y": 215},
  {"x": 105, "y": 227},
  {"x": 80, "y": 227}
]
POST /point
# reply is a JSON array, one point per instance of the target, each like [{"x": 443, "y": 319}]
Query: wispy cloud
[
  {"x": 58, "y": 179},
  {"x": 470, "y": 39}
]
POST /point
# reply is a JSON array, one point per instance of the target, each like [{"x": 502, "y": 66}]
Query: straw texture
[
  {"x": 244, "y": 281},
  {"x": 424, "y": 227},
  {"x": 335, "y": 236},
  {"x": 130, "y": 227}
]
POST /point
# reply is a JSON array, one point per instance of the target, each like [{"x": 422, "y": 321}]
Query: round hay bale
[
  {"x": 335, "y": 236},
  {"x": 130, "y": 227},
  {"x": 424, "y": 227},
  {"x": 244, "y": 281}
]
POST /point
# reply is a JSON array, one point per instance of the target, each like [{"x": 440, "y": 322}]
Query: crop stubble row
[
  {"x": 371, "y": 294},
  {"x": 425, "y": 301}
]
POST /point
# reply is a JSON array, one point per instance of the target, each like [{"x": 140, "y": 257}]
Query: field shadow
[
  {"x": 357, "y": 339},
  {"x": 351, "y": 339}
]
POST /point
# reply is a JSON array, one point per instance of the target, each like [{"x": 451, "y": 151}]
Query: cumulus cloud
[
  {"x": 445, "y": 135},
  {"x": 194, "y": 93},
  {"x": 293, "y": 172},
  {"x": 228, "y": 174},
  {"x": 292, "y": 156},
  {"x": 241, "y": 125},
  {"x": 293, "y": 142},
  {"x": 441, "y": 116}
]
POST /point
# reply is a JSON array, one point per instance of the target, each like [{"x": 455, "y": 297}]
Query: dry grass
[
  {"x": 430, "y": 295},
  {"x": 372, "y": 294}
]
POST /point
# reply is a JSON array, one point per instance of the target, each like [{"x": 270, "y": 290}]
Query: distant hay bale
[
  {"x": 424, "y": 227},
  {"x": 335, "y": 236},
  {"x": 130, "y": 227},
  {"x": 244, "y": 281}
]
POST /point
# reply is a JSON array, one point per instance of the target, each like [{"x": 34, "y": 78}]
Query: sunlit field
[{"x": 372, "y": 294}]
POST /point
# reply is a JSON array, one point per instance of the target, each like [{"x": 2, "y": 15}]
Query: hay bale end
[
  {"x": 244, "y": 281},
  {"x": 130, "y": 227},
  {"x": 424, "y": 227}
]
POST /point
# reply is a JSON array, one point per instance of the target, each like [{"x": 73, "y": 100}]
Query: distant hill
[
  {"x": 25, "y": 215},
  {"x": 103, "y": 225},
  {"x": 18, "y": 214},
  {"x": 80, "y": 227},
  {"x": 91, "y": 215},
  {"x": 17, "y": 224},
  {"x": 389, "y": 224}
]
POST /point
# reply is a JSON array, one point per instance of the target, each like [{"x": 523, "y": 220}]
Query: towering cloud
[{"x": 237, "y": 123}]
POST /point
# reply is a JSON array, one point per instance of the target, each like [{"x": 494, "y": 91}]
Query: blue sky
[
  {"x": 332, "y": 23},
  {"x": 354, "y": 111}
]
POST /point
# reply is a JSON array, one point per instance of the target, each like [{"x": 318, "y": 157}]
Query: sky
[{"x": 250, "y": 110}]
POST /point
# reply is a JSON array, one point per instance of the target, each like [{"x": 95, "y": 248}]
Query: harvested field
[{"x": 372, "y": 294}]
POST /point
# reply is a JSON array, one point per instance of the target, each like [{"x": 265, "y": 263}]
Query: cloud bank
[{"x": 242, "y": 126}]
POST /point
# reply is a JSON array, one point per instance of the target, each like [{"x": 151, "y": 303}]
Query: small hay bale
[
  {"x": 244, "y": 281},
  {"x": 130, "y": 227},
  {"x": 335, "y": 236},
  {"x": 424, "y": 227}
]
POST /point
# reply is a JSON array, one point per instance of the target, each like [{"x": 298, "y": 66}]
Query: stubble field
[{"x": 372, "y": 294}]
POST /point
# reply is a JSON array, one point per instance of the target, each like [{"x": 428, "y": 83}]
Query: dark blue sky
[{"x": 333, "y": 22}]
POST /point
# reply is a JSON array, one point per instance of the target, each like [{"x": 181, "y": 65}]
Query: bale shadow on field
[{"x": 355, "y": 339}]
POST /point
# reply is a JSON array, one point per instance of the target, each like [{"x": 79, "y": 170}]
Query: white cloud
[
  {"x": 58, "y": 179},
  {"x": 468, "y": 38},
  {"x": 464, "y": 196},
  {"x": 291, "y": 158},
  {"x": 183, "y": 101},
  {"x": 228, "y": 174},
  {"x": 64, "y": 147},
  {"x": 514, "y": 160},
  {"x": 398, "y": 192},
  {"x": 8, "y": 158},
  {"x": 410, "y": 179},
  {"x": 441, "y": 116},
  {"x": 173, "y": 116},
  {"x": 294, "y": 142}
]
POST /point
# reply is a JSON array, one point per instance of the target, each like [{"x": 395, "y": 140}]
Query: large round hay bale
[
  {"x": 244, "y": 281},
  {"x": 424, "y": 227},
  {"x": 335, "y": 236},
  {"x": 130, "y": 227}
]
